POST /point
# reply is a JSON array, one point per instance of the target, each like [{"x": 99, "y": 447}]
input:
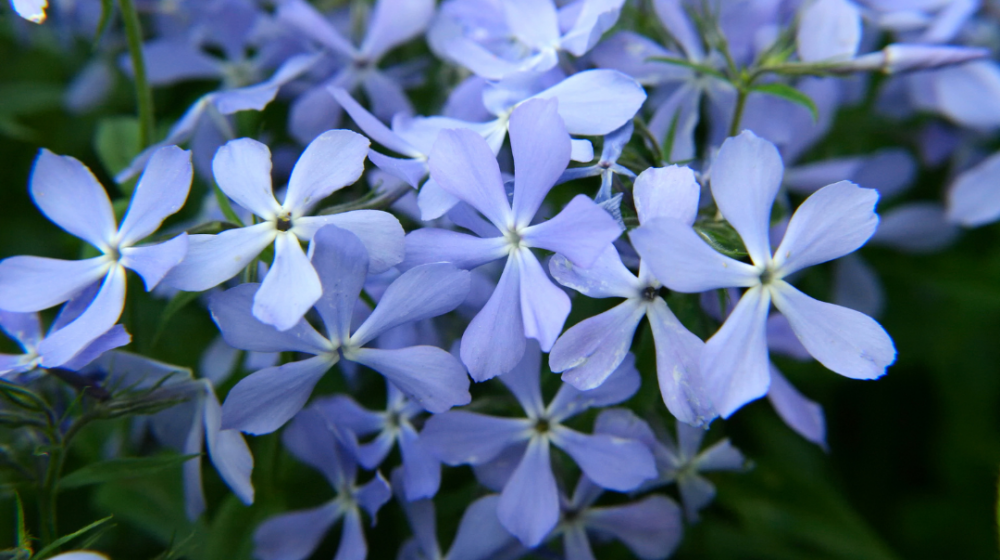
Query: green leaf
[
  {"x": 786, "y": 91},
  {"x": 722, "y": 237},
  {"x": 23, "y": 537},
  {"x": 178, "y": 302},
  {"x": 54, "y": 547},
  {"x": 117, "y": 144},
  {"x": 227, "y": 209},
  {"x": 153, "y": 505},
  {"x": 120, "y": 469}
]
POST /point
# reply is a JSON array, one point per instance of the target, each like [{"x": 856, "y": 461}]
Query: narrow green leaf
[
  {"x": 118, "y": 469},
  {"x": 668, "y": 142},
  {"x": 227, "y": 209},
  {"x": 54, "y": 547},
  {"x": 786, "y": 91},
  {"x": 23, "y": 537},
  {"x": 117, "y": 144}
]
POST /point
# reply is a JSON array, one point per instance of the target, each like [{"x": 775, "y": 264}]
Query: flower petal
[
  {"x": 379, "y": 231},
  {"x": 263, "y": 401},
  {"x": 590, "y": 350},
  {"x": 213, "y": 259},
  {"x": 463, "y": 165},
  {"x": 828, "y": 29},
  {"x": 682, "y": 261},
  {"x": 494, "y": 341},
  {"x": 294, "y": 535},
  {"x": 844, "y": 340},
  {"x": 394, "y": 22},
  {"x": 611, "y": 462},
  {"x": 746, "y": 176},
  {"x": 231, "y": 311},
  {"x": 161, "y": 192},
  {"x": 544, "y": 306},
  {"x": 420, "y": 293},
  {"x": 242, "y": 169},
  {"x": 529, "y": 504},
  {"x": 153, "y": 262},
  {"x": 678, "y": 356},
  {"x": 541, "y": 148},
  {"x": 670, "y": 192},
  {"x": 831, "y": 223},
  {"x": 100, "y": 316},
  {"x": 341, "y": 263},
  {"x": 421, "y": 470},
  {"x": 458, "y": 437},
  {"x": 973, "y": 199},
  {"x": 69, "y": 195},
  {"x": 523, "y": 380},
  {"x": 581, "y": 231},
  {"x": 36, "y": 283},
  {"x": 332, "y": 161},
  {"x": 290, "y": 288},
  {"x": 734, "y": 361},
  {"x": 431, "y": 377},
  {"x": 651, "y": 527},
  {"x": 605, "y": 277},
  {"x": 623, "y": 382},
  {"x": 228, "y": 450},
  {"x": 430, "y": 245},
  {"x": 801, "y": 414},
  {"x": 596, "y": 102}
]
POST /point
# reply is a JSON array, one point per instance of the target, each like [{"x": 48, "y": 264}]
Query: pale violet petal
[
  {"x": 242, "y": 169},
  {"x": 263, "y": 401},
  {"x": 332, "y": 161},
  {"x": 161, "y": 191},
  {"x": 611, "y": 462},
  {"x": 69, "y": 195},
  {"x": 36, "y": 283},
  {"x": 678, "y": 370},
  {"x": 580, "y": 232},
  {"x": 606, "y": 276},
  {"x": 213, "y": 259},
  {"x": 529, "y": 503},
  {"x": 290, "y": 288},
  {"x": 494, "y": 341},
  {"x": 463, "y": 165},
  {"x": 669, "y": 192},
  {"x": 102, "y": 314},
  {"x": 801, "y": 414},
  {"x": 380, "y": 232},
  {"x": 231, "y": 311},
  {"x": 828, "y": 29},
  {"x": 544, "y": 306},
  {"x": 541, "y": 149},
  {"x": 458, "y": 437},
  {"x": 153, "y": 262},
  {"x": 429, "y": 376},
  {"x": 589, "y": 351}
]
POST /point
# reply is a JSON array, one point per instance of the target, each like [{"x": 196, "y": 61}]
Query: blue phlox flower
[
  {"x": 392, "y": 23},
  {"x": 295, "y": 535},
  {"x": 220, "y": 361},
  {"x": 243, "y": 171},
  {"x": 421, "y": 470},
  {"x": 265, "y": 400},
  {"x": 590, "y": 350},
  {"x": 677, "y": 462},
  {"x": 650, "y": 527},
  {"x": 69, "y": 195},
  {"x": 480, "y": 535},
  {"x": 607, "y": 167},
  {"x": 529, "y": 502},
  {"x": 26, "y": 330},
  {"x": 206, "y": 124},
  {"x": 186, "y": 427},
  {"x": 525, "y": 304},
  {"x": 497, "y": 39},
  {"x": 833, "y": 222}
]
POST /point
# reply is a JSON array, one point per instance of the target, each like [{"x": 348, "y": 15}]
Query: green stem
[
  {"x": 143, "y": 94},
  {"x": 741, "y": 101},
  {"x": 47, "y": 503}
]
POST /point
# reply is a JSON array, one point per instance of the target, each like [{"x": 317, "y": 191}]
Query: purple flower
[
  {"x": 263, "y": 401},
  {"x": 26, "y": 330},
  {"x": 590, "y": 350},
  {"x": 480, "y": 535},
  {"x": 421, "y": 470},
  {"x": 393, "y": 22},
  {"x": 525, "y": 303},
  {"x": 834, "y": 221},
  {"x": 69, "y": 195},
  {"x": 497, "y": 39},
  {"x": 529, "y": 503},
  {"x": 243, "y": 171},
  {"x": 677, "y": 462},
  {"x": 295, "y": 535},
  {"x": 607, "y": 167},
  {"x": 651, "y": 527}
]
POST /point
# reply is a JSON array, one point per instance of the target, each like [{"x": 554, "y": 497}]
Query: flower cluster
[{"x": 482, "y": 230}]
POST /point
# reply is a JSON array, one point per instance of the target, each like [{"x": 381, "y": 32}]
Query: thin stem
[
  {"x": 741, "y": 101},
  {"x": 47, "y": 500},
  {"x": 143, "y": 94}
]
